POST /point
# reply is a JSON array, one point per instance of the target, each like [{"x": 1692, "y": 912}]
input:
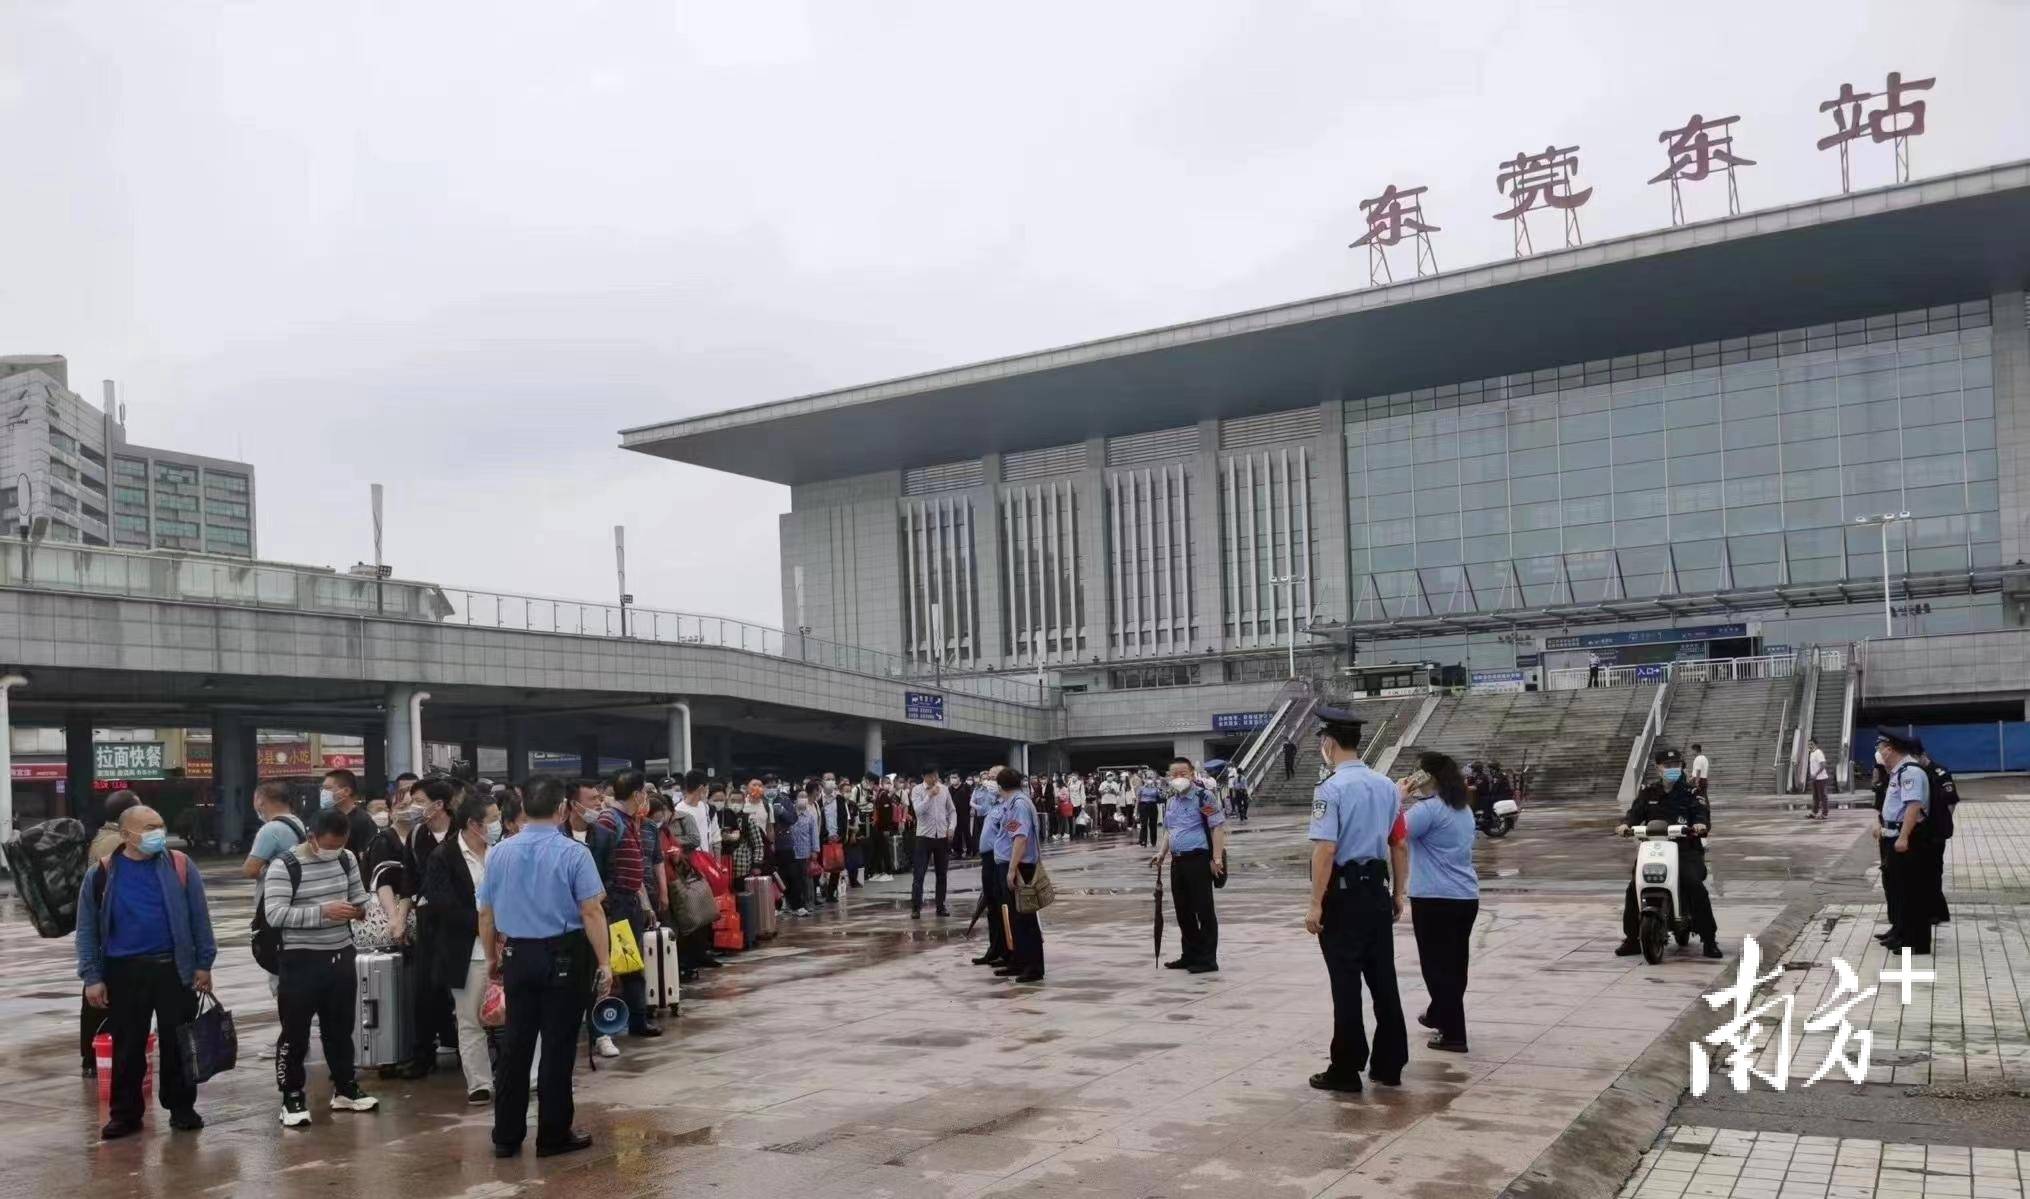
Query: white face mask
[
  {"x": 493, "y": 833},
  {"x": 1881, "y": 758},
  {"x": 1180, "y": 786},
  {"x": 380, "y": 819}
]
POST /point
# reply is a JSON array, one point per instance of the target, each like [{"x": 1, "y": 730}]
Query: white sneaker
[
  {"x": 803, "y": 912},
  {"x": 295, "y": 1112},
  {"x": 353, "y": 1100},
  {"x": 607, "y": 1048}
]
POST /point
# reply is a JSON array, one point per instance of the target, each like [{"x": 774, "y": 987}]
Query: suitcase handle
[{"x": 370, "y": 1013}]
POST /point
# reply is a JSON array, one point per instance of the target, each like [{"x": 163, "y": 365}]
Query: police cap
[
  {"x": 1903, "y": 743},
  {"x": 1669, "y": 757},
  {"x": 1340, "y": 724}
]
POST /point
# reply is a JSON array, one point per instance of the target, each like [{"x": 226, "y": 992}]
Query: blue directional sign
[{"x": 924, "y": 705}]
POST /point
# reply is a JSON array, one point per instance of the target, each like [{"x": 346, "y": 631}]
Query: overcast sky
[{"x": 454, "y": 247}]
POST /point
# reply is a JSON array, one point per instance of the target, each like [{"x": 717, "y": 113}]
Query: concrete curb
[{"x": 1595, "y": 1154}]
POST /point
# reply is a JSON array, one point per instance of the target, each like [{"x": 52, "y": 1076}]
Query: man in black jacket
[
  {"x": 452, "y": 957},
  {"x": 1670, "y": 798}
]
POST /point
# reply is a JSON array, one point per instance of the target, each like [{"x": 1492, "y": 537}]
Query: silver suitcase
[
  {"x": 385, "y": 993},
  {"x": 659, "y": 968}
]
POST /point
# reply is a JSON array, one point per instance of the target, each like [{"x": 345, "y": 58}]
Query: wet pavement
[{"x": 860, "y": 1055}]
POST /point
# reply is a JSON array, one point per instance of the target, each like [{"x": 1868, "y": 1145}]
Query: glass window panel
[
  {"x": 1591, "y": 427},
  {"x": 1697, "y": 554},
  {"x": 1391, "y": 532},
  {"x": 1748, "y": 403},
  {"x": 1980, "y": 434},
  {"x": 1388, "y": 428},
  {"x": 1544, "y": 541},
  {"x": 1878, "y": 417},
  {"x": 1478, "y": 470},
  {"x": 1694, "y": 497},
  {"x": 1987, "y": 554},
  {"x": 1583, "y": 400},
  {"x": 1535, "y": 516},
  {"x": 1980, "y": 464},
  {"x": 1693, "y": 410},
  {"x": 1646, "y": 560},
  {"x": 1356, "y": 481},
  {"x": 1931, "y": 410},
  {"x": 1697, "y": 524},
  {"x": 1927, "y": 378},
  {"x": 1867, "y": 386},
  {"x": 1812, "y": 514},
  {"x": 1394, "y": 557},
  {"x": 1701, "y": 440},
  {"x": 1807, "y": 394},
  {"x": 1952, "y": 557},
  {"x": 1871, "y": 476},
  {"x": 1443, "y": 498},
  {"x": 1394, "y": 479},
  {"x": 1753, "y": 490},
  {"x": 1474, "y": 442},
  {"x": 1870, "y": 503},
  {"x": 1984, "y": 526},
  {"x": 1928, "y": 472},
  {"x": 1488, "y": 549},
  {"x": 1587, "y": 510},
  {"x": 1694, "y": 468},
  {"x": 1483, "y": 495},
  {"x": 1438, "y": 528},
  {"x": 1760, "y": 431},
  {"x": 1762, "y": 459},
  {"x": 1588, "y": 482},
  {"x": 1805, "y": 455},
  {"x": 1357, "y": 536},
  {"x": 1764, "y": 575},
  {"x": 1870, "y": 447},
  {"x": 1814, "y": 543},
  {"x": 1936, "y": 501},
  {"x": 1982, "y": 497},
  {"x": 1921, "y": 440},
  {"x": 1479, "y": 522},
  {"x": 1428, "y": 474},
  {"x": 1932, "y": 531},
  {"x": 1532, "y": 435},
  {"x": 1642, "y": 447},
  {"x": 1579, "y": 455},
  {"x": 1589, "y": 537},
  {"x": 1980, "y": 402},
  {"x": 1693, "y": 582},
  {"x": 1438, "y": 553},
  {"x": 1533, "y": 490},
  {"x": 1648, "y": 502},
  {"x": 1751, "y": 551},
  {"x": 1390, "y": 505},
  {"x": 1651, "y": 531},
  {"x": 1533, "y": 462},
  {"x": 1814, "y": 570},
  {"x": 1630, "y": 421},
  {"x": 1387, "y": 453}
]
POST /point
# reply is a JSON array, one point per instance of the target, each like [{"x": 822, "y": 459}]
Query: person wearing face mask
[
  {"x": 312, "y": 894},
  {"x": 934, "y": 817},
  {"x": 341, "y": 794},
  {"x": 144, "y": 950},
  {"x": 1669, "y": 797},
  {"x": 1149, "y": 809},
  {"x": 456, "y": 960},
  {"x": 1194, "y": 839},
  {"x": 619, "y": 852}
]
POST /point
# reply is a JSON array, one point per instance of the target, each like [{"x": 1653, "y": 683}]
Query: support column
[
  {"x": 1018, "y": 756},
  {"x": 234, "y": 773},
  {"x": 375, "y": 749},
  {"x": 991, "y": 595},
  {"x": 1208, "y": 573},
  {"x": 1189, "y": 747},
  {"x": 80, "y": 799},
  {"x": 517, "y": 752},
  {"x": 402, "y": 756},
  {"x": 469, "y": 750},
  {"x": 588, "y": 756},
  {"x": 1096, "y": 552},
  {"x": 679, "y": 738},
  {"x": 871, "y": 748}
]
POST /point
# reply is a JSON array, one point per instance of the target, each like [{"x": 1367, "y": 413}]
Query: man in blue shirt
[
  {"x": 1148, "y": 804},
  {"x": 1015, "y": 854},
  {"x": 1194, "y": 839},
  {"x": 144, "y": 948},
  {"x": 1357, "y": 848},
  {"x": 987, "y": 807},
  {"x": 543, "y": 897}
]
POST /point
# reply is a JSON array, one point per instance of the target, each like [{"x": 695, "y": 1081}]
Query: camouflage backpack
[{"x": 48, "y": 864}]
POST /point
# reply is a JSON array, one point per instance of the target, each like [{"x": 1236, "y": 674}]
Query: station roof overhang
[
  {"x": 1911, "y": 245},
  {"x": 2012, "y": 581}
]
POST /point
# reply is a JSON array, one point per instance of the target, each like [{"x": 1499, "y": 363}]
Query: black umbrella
[
  {"x": 978, "y": 908},
  {"x": 1159, "y": 913}
]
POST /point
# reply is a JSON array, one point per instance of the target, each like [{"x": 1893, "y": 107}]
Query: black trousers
[
  {"x": 1146, "y": 832},
  {"x": 1819, "y": 806},
  {"x": 1935, "y": 879},
  {"x": 90, "y": 1020},
  {"x": 432, "y": 1022},
  {"x": 1691, "y": 893},
  {"x": 548, "y": 985},
  {"x": 1444, "y": 928},
  {"x": 796, "y": 878},
  {"x": 138, "y": 989},
  {"x": 1191, "y": 894},
  {"x": 1358, "y": 942},
  {"x": 965, "y": 842},
  {"x": 1917, "y": 894},
  {"x": 992, "y": 880},
  {"x": 1892, "y": 880},
  {"x": 1028, "y": 949},
  {"x": 929, "y": 851},
  {"x": 1240, "y": 799},
  {"x": 320, "y": 984}
]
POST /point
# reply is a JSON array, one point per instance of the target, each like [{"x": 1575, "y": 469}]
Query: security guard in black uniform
[
  {"x": 1670, "y": 798},
  {"x": 1357, "y": 851}
]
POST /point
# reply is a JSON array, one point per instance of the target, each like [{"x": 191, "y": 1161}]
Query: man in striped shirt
[{"x": 312, "y": 893}]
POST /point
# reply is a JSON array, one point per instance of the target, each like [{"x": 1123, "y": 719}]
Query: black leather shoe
[
  {"x": 916, "y": 914},
  {"x": 91, "y": 1067},
  {"x": 1202, "y": 968},
  {"x": 712, "y": 964},
  {"x": 115, "y": 1129},
  {"x": 1424, "y": 1018},
  {"x": 1033, "y": 976},
  {"x": 1179, "y": 964},
  {"x": 649, "y": 1030},
  {"x": 186, "y": 1120},
  {"x": 1711, "y": 950},
  {"x": 1627, "y": 949},
  {"x": 1387, "y": 1080},
  {"x": 500, "y": 1150},
  {"x": 571, "y": 1144},
  {"x": 990, "y": 960},
  {"x": 1445, "y": 1046},
  {"x": 1325, "y": 1081}
]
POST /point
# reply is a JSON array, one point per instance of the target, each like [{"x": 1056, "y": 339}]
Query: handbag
[
  {"x": 696, "y": 907},
  {"x": 208, "y": 1044},
  {"x": 833, "y": 857},
  {"x": 1218, "y": 876},
  {"x": 373, "y": 932},
  {"x": 622, "y": 953},
  {"x": 493, "y": 1007},
  {"x": 1035, "y": 894}
]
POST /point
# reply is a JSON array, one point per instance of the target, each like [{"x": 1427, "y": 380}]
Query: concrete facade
[{"x": 1947, "y": 668}]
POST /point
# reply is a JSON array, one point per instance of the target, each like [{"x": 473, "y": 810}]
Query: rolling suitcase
[
  {"x": 384, "y": 985},
  {"x": 766, "y": 891},
  {"x": 659, "y": 967},
  {"x": 748, "y": 903}
]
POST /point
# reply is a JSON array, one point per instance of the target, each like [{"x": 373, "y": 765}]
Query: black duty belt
[
  {"x": 1352, "y": 875},
  {"x": 1191, "y": 853}
]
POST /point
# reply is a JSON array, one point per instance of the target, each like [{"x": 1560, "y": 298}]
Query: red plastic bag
[
  {"x": 833, "y": 857},
  {"x": 493, "y": 1008},
  {"x": 713, "y": 871}
]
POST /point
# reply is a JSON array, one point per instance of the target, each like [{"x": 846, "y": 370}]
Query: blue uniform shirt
[
  {"x": 1188, "y": 816},
  {"x": 1908, "y": 785},
  {"x": 1441, "y": 851},
  {"x": 1018, "y": 819},
  {"x": 987, "y": 802},
  {"x": 1150, "y": 793},
  {"x": 1354, "y": 809},
  {"x": 535, "y": 881}
]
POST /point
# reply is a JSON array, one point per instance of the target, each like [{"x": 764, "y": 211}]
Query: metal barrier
[
  {"x": 92, "y": 570},
  {"x": 1715, "y": 670}
]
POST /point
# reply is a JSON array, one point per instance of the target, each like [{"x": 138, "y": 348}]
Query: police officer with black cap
[
  {"x": 1909, "y": 887},
  {"x": 1670, "y": 798},
  {"x": 1357, "y": 851}
]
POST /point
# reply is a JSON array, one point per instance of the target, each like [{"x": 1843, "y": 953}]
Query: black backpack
[{"x": 1945, "y": 796}]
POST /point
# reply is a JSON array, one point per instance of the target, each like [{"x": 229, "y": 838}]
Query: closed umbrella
[{"x": 1159, "y": 913}]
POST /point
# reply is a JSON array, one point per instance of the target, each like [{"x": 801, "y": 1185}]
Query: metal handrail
[
  {"x": 1845, "y": 774},
  {"x": 236, "y": 582},
  {"x": 1807, "y": 717},
  {"x": 1645, "y": 741},
  {"x": 1295, "y": 704}
]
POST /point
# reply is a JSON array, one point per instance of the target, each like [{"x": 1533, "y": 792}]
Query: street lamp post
[
  {"x": 7, "y": 757},
  {"x": 1289, "y": 583},
  {"x": 1882, "y": 521}
]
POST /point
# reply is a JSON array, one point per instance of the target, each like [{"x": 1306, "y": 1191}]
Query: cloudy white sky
[{"x": 453, "y": 247}]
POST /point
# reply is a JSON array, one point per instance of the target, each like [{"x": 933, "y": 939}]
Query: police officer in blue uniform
[
  {"x": 1359, "y": 867},
  {"x": 1015, "y": 858},
  {"x": 988, "y": 805},
  {"x": 543, "y": 896},
  {"x": 1906, "y": 809},
  {"x": 1194, "y": 839}
]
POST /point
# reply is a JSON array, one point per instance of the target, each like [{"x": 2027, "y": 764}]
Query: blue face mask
[
  {"x": 325, "y": 799},
  {"x": 1672, "y": 774},
  {"x": 154, "y": 841}
]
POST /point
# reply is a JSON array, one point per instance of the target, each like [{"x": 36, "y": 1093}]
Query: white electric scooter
[{"x": 1659, "y": 912}]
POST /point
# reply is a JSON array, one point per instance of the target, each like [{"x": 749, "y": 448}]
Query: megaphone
[{"x": 609, "y": 1016}]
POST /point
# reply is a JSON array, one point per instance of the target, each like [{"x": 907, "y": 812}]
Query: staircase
[
  {"x": 1575, "y": 742},
  {"x": 1737, "y": 724},
  {"x": 1830, "y": 717},
  {"x": 1382, "y": 724}
]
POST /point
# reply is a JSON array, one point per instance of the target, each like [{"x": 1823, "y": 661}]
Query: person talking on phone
[{"x": 542, "y": 922}]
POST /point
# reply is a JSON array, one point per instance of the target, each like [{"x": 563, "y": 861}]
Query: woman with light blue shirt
[{"x": 1444, "y": 892}]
